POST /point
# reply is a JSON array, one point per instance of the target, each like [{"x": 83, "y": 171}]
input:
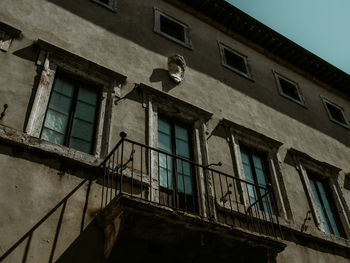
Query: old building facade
[{"x": 167, "y": 130}]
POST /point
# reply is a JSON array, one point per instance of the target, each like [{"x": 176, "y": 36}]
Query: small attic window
[
  {"x": 171, "y": 28},
  {"x": 234, "y": 60},
  {"x": 289, "y": 89},
  {"x": 110, "y": 4},
  {"x": 335, "y": 113}
]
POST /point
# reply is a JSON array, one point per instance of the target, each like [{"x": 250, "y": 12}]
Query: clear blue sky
[{"x": 320, "y": 26}]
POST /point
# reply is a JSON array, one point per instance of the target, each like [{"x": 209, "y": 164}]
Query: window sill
[
  {"x": 242, "y": 74},
  {"x": 340, "y": 123},
  {"x": 300, "y": 103},
  {"x": 15, "y": 137},
  {"x": 184, "y": 44},
  {"x": 315, "y": 234},
  {"x": 289, "y": 228}
]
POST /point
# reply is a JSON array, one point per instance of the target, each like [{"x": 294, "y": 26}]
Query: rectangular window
[
  {"x": 171, "y": 28},
  {"x": 110, "y": 4},
  {"x": 289, "y": 89},
  {"x": 71, "y": 114},
  {"x": 326, "y": 208},
  {"x": 255, "y": 172},
  {"x": 234, "y": 61},
  {"x": 175, "y": 175},
  {"x": 335, "y": 113}
]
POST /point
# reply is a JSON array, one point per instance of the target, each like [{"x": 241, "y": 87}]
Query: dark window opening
[
  {"x": 104, "y": 1},
  {"x": 289, "y": 89},
  {"x": 71, "y": 114},
  {"x": 172, "y": 28},
  {"x": 336, "y": 113},
  {"x": 235, "y": 61},
  {"x": 325, "y": 206}
]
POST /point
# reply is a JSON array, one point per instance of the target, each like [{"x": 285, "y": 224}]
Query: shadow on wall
[
  {"x": 30, "y": 53},
  {"x": 162, "y": 75},
  {"x": 126, "y": 23},
  {"x": 27, "y": 237},
  {"x": 120, "y": 24},
  {"x": 87, "y": 248},
  {"x": 347, "y": 182}
]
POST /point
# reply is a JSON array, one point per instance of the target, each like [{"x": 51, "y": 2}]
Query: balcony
[{"x": 158, "y": 186}]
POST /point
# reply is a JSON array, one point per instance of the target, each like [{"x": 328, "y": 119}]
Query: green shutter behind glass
[
  {"x": 60, "y": 111},
  {"x": 165, "y": 162},
  {"x": 166, "y": 171},
  {"x": 82, "y": 134},
  {"x": 183, "y": 167},
  {"x": 257, "y": 165},
  {"x": 321, "y": 198}
]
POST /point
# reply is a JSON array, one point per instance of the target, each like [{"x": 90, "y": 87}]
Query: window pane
[
  {"x": 172, "y": 28},
  {"x": 164, "y": 139},
  {"x": 60, "y": 103},
  {"x": 181, "y": 133},
  {"x": 56, "y": 121},
  {"x": 52, "y": 136},
  {"x": 165, "y": 162},
  {"x": 319, "y": 206},
  {"x": 327, "y": 208},
  {"x": 85, "y": 112},
  {"x": 184, "y": 177},
  {"x": 235, "y": 61},
  {"x": 163, "y": 127},
  {"x": 249, "y": 177},
  {"x": 259, "y": 171},
  {"x": 289, "y": 89},
  {"x": 182, "y": 149},
  {"x": 182, "y": 145},
  {"x": 83, "y": 128},
  {"x": 336, "y": 113},
  {"x": 184, "y": 181},
  {"x": 63, "y": 86},
  {"x": 80, "y": 145},
  {"x": 166, "y": 171},
  {"x": 88, "y": 96},
  {"x": 57, "y": 116}
]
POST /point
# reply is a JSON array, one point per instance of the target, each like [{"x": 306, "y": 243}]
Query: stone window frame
[
  {"x": 222, "y": 48},
  {"x": 326, "y": 101},
  {"x": 279, "y": 76},
  {"x": 157, "y": 13},
  {"x": 240, "y": 135},
  {"x": 7, "y": 34},
  {"x": 156, "y": 101},
  {"x": 52, "y": 58},
  {"x": 326, "y": 172},
  {"x": 112, "y": 4}
]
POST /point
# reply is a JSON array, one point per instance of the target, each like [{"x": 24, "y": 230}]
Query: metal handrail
[
  {"x": 123, "y": 138},
  {"x": 219, "y": 192}
]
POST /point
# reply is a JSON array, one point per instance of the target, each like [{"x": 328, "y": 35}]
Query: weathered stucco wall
[
  {"x": 32, "y": 184},
  {"x": 125, "y": 42}
]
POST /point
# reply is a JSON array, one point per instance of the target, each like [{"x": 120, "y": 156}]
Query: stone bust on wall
[{"x": 176, "y": 68}]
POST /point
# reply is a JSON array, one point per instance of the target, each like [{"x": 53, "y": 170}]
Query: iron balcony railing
[{"x": 157, "y": 176}]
